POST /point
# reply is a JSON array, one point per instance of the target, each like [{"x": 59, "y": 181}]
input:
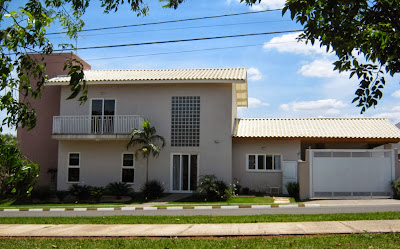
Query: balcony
[{"x": 95, "y": 126}]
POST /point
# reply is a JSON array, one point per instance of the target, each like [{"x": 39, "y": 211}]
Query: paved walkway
[{"x": 189, "y": 230}]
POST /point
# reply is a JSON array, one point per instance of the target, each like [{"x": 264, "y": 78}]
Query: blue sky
[{"x": 285, "y": 78}]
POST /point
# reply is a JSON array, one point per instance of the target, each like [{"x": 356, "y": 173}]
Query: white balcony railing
[{"x": 115, "y": 124}]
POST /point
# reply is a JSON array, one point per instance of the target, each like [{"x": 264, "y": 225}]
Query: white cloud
[
  {"x": 254, "y": 103},
  {"x": 396, "y": 94},
  {"x": 320, "y": 68},
  {"x": 254, "y": 74},
  {"x": 330, "y": 106},
  {"x": 268, "y": 4},
  {"x": 394, "y": 117},
  {"x": 288, "y": 43}
]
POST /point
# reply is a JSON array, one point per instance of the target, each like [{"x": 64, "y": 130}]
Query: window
[
  {"x": 73, "y": 167},
  {"x": 185, "y": 121},
  {"x": 261, "y": 162},
  {"x": 128, "y": 170},
  {"x": 102, "y": 119}
]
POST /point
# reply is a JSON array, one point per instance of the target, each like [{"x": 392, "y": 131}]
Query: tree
[
  {"x": 17, "y": 174},
  {"x": 364, "y": 34},
  {"x": 24, "y": 31},
  {"x": 147, "y": 140}
]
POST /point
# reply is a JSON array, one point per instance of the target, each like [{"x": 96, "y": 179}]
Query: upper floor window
[
  {"x": 102, "y": 116},
  {"x": 185, "y": 121},
  {"x": 262, "y": 162}
]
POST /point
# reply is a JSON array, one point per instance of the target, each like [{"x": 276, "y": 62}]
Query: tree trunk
[{"x": 147, "y": 170}]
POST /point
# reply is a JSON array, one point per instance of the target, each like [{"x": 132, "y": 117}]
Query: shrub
[
  {"x": 61, "y": 195},
  {"x": 42, "y": 192},
  {"x": 152, "y": 189},
  {"x": 396, "y": 188},
  {"x": 212, "y": 189},
  {"x": 293, "y": 189},
  {"x": 119, "y": 189},
  {"x": 80, "y": 192},
  {"x": 97, "y": 193}
]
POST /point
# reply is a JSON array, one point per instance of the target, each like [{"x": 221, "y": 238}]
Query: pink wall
[{"x": 37, "y": 144}]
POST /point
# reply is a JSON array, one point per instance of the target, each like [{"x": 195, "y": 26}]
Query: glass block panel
[{"x": 185, "y": 121}]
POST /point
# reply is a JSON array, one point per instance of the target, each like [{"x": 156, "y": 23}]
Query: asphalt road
[{"x": 213, "y": 212}]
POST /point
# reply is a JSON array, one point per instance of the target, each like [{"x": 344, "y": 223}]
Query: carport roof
[{"x": 337, "y": 128}]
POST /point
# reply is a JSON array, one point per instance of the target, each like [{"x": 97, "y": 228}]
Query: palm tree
[{"x": 147, "y": 140}]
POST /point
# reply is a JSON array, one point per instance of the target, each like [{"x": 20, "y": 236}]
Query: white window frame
[
  {"x": 128, "y": 167},
  {"x": 265, "y": 163},
  {"x": 102, "y": 110},
  {"x": 171, "y": 171},
  {"x": 73, "y": 166}
]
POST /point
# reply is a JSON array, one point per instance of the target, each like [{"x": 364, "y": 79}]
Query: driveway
[{"x": 359, "y": 202}]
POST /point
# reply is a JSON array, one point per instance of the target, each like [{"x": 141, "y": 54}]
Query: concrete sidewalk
[{"x": 189, "y": 230}]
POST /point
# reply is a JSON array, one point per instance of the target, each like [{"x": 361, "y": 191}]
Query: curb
[{"x": 155, "y": 208}]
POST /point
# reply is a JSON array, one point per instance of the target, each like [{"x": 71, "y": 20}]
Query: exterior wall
[
  {"x": 37, "y": 144},
  {"x": 260, "y": 180},
  {"x": 234, "y": 107},
  {"x": 153, "y": 102},
  {"x": 303, "y": 174}
]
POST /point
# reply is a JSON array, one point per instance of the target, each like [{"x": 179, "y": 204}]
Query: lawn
[
  {"x": 183, "y": 202},
  {"x": 366, "y": 240},
  {"x": 199, "y": 219},
  {"x": 66, "y": 205},
  {"x": 231, "y": 201}
]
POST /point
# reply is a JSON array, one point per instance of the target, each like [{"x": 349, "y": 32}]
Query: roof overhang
[
  {"x": 321, "y": 139},
  {"x": 240, "y": 85}
]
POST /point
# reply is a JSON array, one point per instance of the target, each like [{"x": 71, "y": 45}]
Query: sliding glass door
[
  {"x": 184, "y": 172},
  {"x": 102, "y": 116}
]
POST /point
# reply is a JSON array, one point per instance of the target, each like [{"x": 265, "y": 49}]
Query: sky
[{"x": 286, "y": 78}]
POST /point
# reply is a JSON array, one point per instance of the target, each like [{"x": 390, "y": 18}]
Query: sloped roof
[
  {"x": 361, "y": 128},
  {"x": 154, "y": 76}
]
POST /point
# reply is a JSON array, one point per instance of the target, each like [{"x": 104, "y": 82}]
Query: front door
[
  {"x": 289, "y": 173},
  {"x": 184, "y": 172},
  {"x": 102, "y": 120}
]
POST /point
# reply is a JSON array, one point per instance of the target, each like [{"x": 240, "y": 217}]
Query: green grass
[
  {"x": 391, "y": 240},
  {"x": 233, "y": 200},
  {"x": 65, "y": 205},
  {"x": 199, "y": 219}
]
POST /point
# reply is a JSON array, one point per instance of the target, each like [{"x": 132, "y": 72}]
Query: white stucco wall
[
  {"x": 259, "y": 181},
  {"x": 101, "y": 160}
]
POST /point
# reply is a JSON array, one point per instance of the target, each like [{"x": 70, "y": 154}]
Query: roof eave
[
  {"x": 324, "y": 139},
  {"x": 124, "y": 82}
]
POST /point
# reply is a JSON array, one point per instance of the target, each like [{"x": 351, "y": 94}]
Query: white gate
[
  {"x": 351, "y": 173},
  {"x": 289, "y": 174}
]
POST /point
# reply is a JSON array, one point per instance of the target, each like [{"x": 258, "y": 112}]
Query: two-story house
[{"x": 195, "y": 110}]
